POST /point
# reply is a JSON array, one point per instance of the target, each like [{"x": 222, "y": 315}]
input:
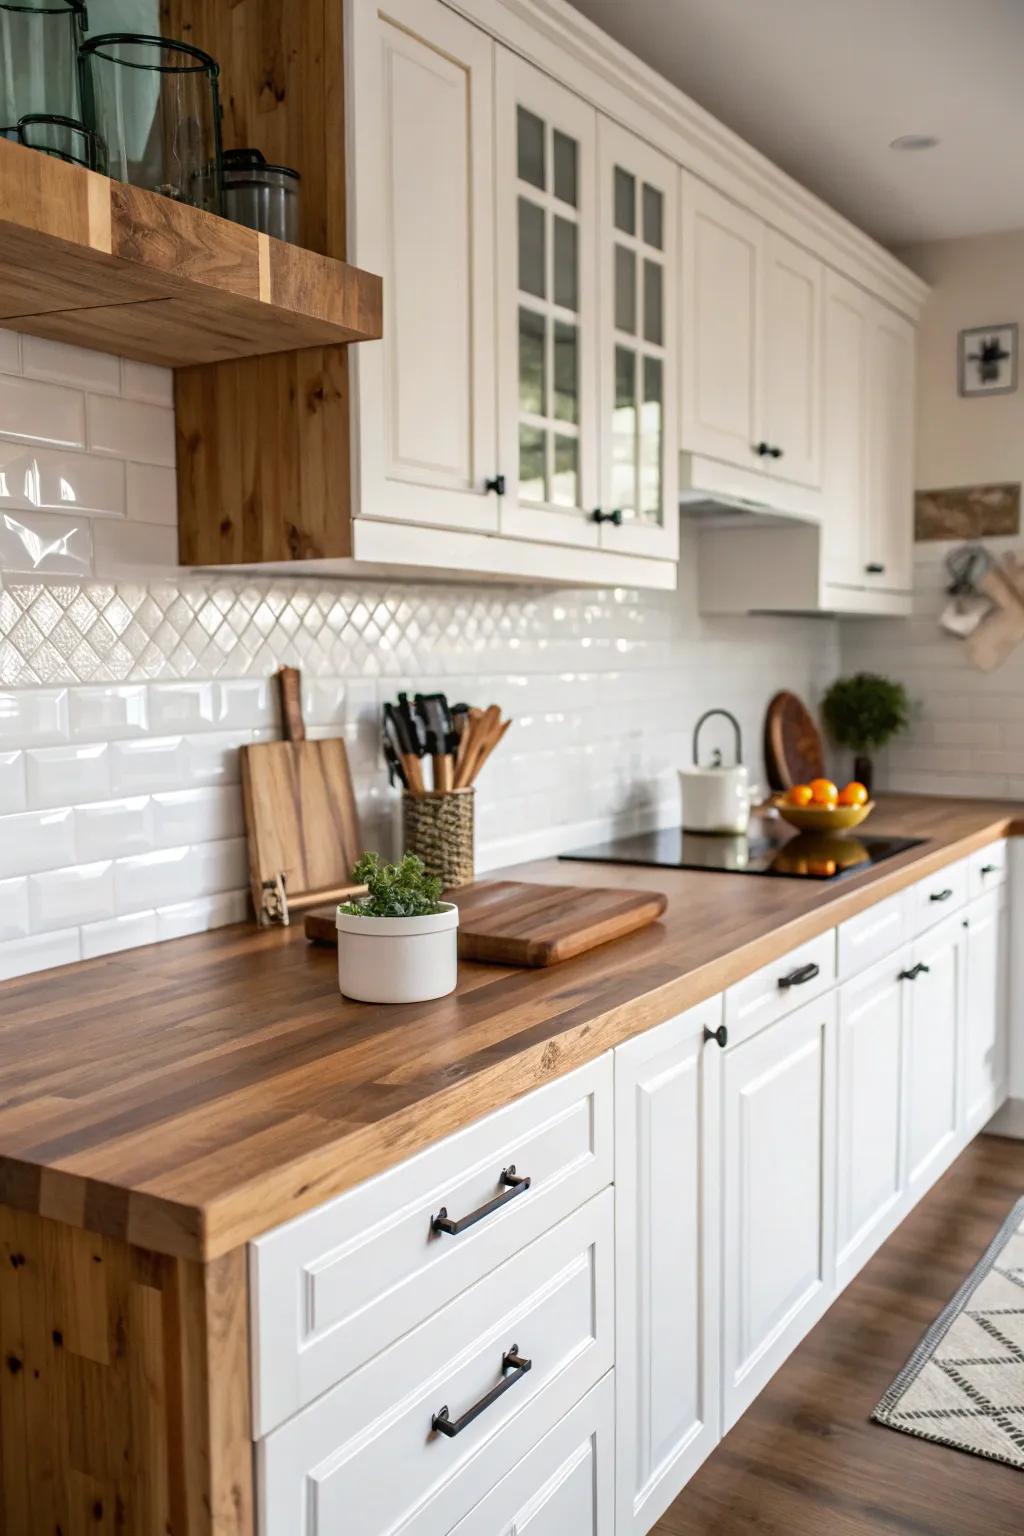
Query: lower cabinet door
[
  {"x": 985, "y": 1011},
  {"x": 933, "y": 1002},
  {"x": 778, "y": 1195},
  {"x": 564, "y": 1487},
  {"x": 667, "y": 1261},
  {"x": 871, "y": 1159}
]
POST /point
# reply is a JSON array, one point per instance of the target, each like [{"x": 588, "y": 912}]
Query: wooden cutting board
[
  {"x": 511, "y": 922},
  {"x": 793, "y": 751},
  {"x": 300, "y": 812}
]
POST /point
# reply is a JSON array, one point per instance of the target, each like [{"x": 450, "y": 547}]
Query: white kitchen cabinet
[
  {"x": 546, "y": 182},
  {"x": 564, "y": 1487},
  {"x": 933, "y": 1004},
  {"x": 794, "y": 284},
  {"x": 778, "y": 1195},
  {"x": 638, "y": 335},
  {"x": 667, "y": 1268},
  {"x": 871, "y": 1151},
  {"x": 986, "y": 1063},
  {"x": 846, "y": 399},
  {"x": 422, "y": 169},
  {"x": 890, "y": 506}
]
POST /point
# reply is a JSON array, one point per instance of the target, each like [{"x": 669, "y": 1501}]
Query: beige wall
[{"x": 975, "y": 282}]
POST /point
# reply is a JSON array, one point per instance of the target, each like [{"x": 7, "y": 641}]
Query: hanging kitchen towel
[
  {"x": 998, "y": 636},
  {"x": 967, "y": 606}
]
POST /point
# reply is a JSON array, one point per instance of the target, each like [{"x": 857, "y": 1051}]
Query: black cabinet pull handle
[
  {"x": 776, "y": 453},
  {"x": 989, "y": 869},
  {"x": 513, "y": 1369},
  {"x": 720, "y": 1035},
  {"x": 762, "y": 449},
  {"x": 442, "y": 1222},
  {"x": 941, "y": 895},
  {"x": 495, "y": 484},
  {"x": 799, "y": 976},
  {"x": 597, "y": 516},
  {"x": 920, "y": 969},
  {"x": 874, "y": 569}
]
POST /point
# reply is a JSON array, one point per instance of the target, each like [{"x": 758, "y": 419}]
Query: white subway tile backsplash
[
  {"x": 130, "y": 429},
  {"x": 113, "y": 829},
  {"x": 152, "y": 494},
  {"x": 186, "y": 917},
  {"x": 246, "y": 704},
  {"x": 75, "y": 366},
  {"x": 218, "y": 867},
  {"x": 196, "y": 816},
  {"x": 13, "y": 795},
  {"x": 133, "y": 548},
  {"x": 182, "y": 706},
  {"x": 46, "y": 413},
  {"x": 126, "y": 932},
  {"x": 107, "y": 714},
  {"x": 60, "y": 479},
  {"x": 145, "y": 381},
  {"x": 67, "y": 775},
  {"x": 22, "y": 957},
  {"x": 215, "y": 759},
  {"x": 45, "y": 543},
  {"x": 14, "y": 914},
  {"x": 155, "y": 879},
  {"x": 148, "y": 765},
  {"x": 65, "y": 898},
  {"x": 36, "y": 840},
  {"x": 33, "y": 718}
]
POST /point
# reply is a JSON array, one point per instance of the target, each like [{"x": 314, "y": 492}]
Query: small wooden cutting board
[{"x": 511, "y": 922}]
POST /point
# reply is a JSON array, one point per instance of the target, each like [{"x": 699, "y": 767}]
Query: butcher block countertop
[{"x": 191, "y": 1095}]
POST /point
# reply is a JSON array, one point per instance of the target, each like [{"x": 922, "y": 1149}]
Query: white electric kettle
[{"x": 716, "y": 798}]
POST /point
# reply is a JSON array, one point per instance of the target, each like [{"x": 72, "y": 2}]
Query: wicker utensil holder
[{"x": 438, "y": 828}]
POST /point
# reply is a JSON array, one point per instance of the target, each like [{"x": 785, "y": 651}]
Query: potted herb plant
[
  {"x": 399, "y": 943},
  {"x": 863, "y": 712}
]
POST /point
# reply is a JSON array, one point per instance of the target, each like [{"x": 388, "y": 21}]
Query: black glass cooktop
[{"x": 770, "y": 848}]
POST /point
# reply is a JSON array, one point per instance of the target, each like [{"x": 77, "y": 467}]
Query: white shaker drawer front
[
  {"x": 936, "y": 896},
  {"x": 873, "y": 934},
  {"x": 987, "y": 869},
  {"x": 337, "y": 1285},
  {"x": 778, "y": 988},
  {"x": 497, "y": 1367},
  {"x": 564, "y": 1487}
]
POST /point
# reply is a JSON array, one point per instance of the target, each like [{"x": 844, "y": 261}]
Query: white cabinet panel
[
  {"x": 987, "y": 869},
  {"x": 793, "y": 297},
  {"x": 877, "y": 931},
  {"x": 422, "y": 190},
  {"x": 564, "y": 1487},
  {"x": 848, "y": 319},
  {"x": 546, "y": 183},
  {"x": 933, "y": 1004},
  {"x": 888, "y": 548},
  {"x": 985, "y": 1009},
  {"x": 667, "y": 1261},
  {"x": 778, "y": 1122},
  {"x": 779, "y": 987},
  {"x": 870, "y": 1153},
  {"x": 935, "y": 897},
  {"x": 721, "y": 336},
  {"x": 639, "y": 215},
  {"x": 366, "y": 1458}
]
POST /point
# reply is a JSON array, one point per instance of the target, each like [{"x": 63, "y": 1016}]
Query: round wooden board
[{"x": 793, "y": 750}]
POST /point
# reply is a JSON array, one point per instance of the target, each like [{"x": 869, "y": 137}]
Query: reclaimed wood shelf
[{"x": 101, "y": 264}]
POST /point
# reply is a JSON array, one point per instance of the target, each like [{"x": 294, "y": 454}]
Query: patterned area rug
[{"x": 964, "y": 1384}]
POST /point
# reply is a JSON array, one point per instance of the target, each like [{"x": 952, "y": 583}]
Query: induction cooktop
[{"x": 770, "y": 848}]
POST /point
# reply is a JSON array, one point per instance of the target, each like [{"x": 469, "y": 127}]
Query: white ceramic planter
[{"x": 398, "y": 959}]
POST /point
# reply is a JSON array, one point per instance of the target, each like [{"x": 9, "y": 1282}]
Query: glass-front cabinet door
[
  {"x": 638, "y": 211},
  {"x": 547, "y": 316}
]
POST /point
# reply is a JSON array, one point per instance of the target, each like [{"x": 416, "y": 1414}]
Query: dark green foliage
[
  {"x": 396, "y": 890},
  {"x": 862, "y": 712}
]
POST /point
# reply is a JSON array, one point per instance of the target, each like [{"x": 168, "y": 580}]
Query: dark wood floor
[{"x": 805, "y": 1461}]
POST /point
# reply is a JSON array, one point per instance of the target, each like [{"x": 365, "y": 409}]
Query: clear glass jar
[
  {"x": 155, "y": 104},
  {"x": 39, "y": 57},
  {"x": 63, "y": 137}
]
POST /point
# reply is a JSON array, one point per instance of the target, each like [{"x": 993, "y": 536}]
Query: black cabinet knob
[
  {"x": 874, "y": 569},
  {"x": 495, "y": 484},
  {"x": 720, "y": 1035},
  {"x": 762, "y": 449},
  {"x": 776, "y": 453},
  {"x": 597, "y": 516}
]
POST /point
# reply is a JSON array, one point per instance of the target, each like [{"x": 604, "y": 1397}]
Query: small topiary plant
[
  {"x": 863, "y": 712},
  {"x": 395, "y": 890}
]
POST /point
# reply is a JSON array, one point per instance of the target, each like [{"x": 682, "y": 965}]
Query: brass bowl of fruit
[{"x": 822, "y": 807}]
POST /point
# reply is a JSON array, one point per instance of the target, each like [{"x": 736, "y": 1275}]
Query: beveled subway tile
[
  {"x": 35, "y": 841},
  {"x": 21, "y": 957},
  {"x": 13, "y": 795},
  {"x": 148, "y": 765},
  {"x": 113, "y": 829},
  {"x": 62, "y": 898},
  {"x": 14, "y": 915},
  {"x": 67, "y": 775},
  {"x": 126, "y": 932},
  {"x": 60, "y": 480},
  {"x": 106, "y": 714},
  {"x": 44, "y": 543}
]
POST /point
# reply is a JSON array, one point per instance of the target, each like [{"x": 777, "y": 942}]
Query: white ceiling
[{"x": 822, "y": 87}]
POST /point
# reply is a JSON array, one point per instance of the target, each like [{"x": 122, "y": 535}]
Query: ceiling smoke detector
[{"x": 914, "y": 141}]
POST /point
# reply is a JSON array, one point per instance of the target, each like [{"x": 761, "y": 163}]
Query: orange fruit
[
  {"x": 800, "y": 794},
  {"x": 824, "y": 792},
  {"x": 853, "y": 794}
]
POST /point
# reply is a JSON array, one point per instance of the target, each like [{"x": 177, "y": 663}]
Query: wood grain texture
[
  {"x": 188, "y": 1096},
  {"x": 793, "y": 749},
  {"x": 157, "y": 280},
  {"x": 519, "y": 923},
  {"x": 804, "y": 1460},
  {"x": 124, "y": 1387}
]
